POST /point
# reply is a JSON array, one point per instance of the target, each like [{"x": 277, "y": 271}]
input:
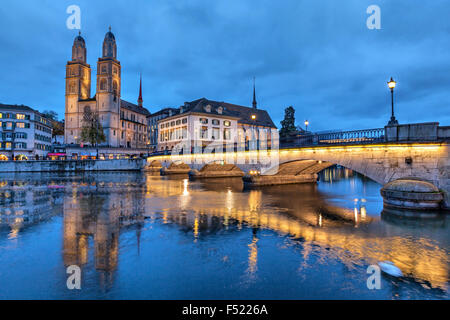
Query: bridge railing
[{"x": 366, "y": 136}]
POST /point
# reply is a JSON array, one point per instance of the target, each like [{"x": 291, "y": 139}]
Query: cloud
[{"x": 315, "y": 55}]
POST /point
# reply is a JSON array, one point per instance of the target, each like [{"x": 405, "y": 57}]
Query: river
[{"x": 142, "y": 236}]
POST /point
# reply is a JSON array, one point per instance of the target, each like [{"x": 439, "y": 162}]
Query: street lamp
[
  {"x": 391, "y": 85},
  {"x": 306, "y": 125}
]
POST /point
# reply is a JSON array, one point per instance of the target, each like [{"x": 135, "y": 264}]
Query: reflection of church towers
[
  {"x": 98, "y": 216},
  {"x": 86, "y": 216},
  {"x": 78, "y": 87},
  {"x": 108, "y": 89}
]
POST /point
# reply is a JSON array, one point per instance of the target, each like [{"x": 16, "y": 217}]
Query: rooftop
[
  {"x": 244, "y": 114},
  {"x": 16, "y": 107},
  {"x": 133, "y": 107}
]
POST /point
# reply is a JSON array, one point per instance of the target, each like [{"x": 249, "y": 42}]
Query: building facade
[
  {"x": 204, "y": 122},
  {"x": 25, "y": 134},
  {"x": 152, "y": 122},
  {"x": 124, "y": 123}
]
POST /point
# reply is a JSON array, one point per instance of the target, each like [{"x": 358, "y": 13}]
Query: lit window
[
  {"x": 226, "y": 134},
  {"x": 20, "y": 116},
  {"x": 216, "y": 134},
  {"x": 227, "y": 123}
]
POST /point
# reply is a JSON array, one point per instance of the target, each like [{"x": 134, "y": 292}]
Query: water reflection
[{"x": 98, "y": 208}]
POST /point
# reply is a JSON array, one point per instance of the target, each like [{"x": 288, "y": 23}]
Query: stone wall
[
  {"x": 429, "y": 131},
  {"x": 72, "y": 165}
]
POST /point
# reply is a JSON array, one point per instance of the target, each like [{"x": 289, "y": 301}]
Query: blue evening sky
[{"x": 316, "y": 55}]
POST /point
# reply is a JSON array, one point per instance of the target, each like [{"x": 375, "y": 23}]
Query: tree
[
  {"x": 58, "y": 126},
  {"x": 288, "y": 124},
  {"x": 92, "y": 130},
  {"x": 52, "y": 115}
]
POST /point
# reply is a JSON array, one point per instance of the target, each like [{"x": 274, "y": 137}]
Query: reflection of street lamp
[
  {"x": 391, "y": 85},
  {"x": 306, "y": 125}
]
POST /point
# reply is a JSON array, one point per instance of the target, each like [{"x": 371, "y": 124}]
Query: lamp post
[
  {"x": 306, "y": 125},
  {"x": 254, "y": 134},
  {"x": 391, "y": 84}
]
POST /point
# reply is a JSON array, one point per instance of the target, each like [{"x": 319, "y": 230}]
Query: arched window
[
  {"x": 103, "y": 84},
  {"x": 115, "y": 88}
]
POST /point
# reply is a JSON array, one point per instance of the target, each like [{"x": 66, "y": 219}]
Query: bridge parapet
[
  {"x": 429, "y": 131},
  {"x": 413, "y": 132}
]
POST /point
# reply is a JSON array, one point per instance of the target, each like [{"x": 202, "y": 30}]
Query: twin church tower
[{"x": 106, "y": 101}]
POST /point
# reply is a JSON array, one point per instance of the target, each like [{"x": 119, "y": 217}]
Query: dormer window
[
  {"x": 208, "y": 108},
  {"x": 219, "y": 110}
]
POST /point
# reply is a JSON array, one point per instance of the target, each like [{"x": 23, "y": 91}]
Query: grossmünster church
[{"x": 124, "y": 123}]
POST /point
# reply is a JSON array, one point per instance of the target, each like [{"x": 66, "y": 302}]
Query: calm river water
[{"x": 141, "y": 236}]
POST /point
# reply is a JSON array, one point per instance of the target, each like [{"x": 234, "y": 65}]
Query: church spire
[
  {"x": 140, "y": 101},
  {"x": 254, "y": 94}
]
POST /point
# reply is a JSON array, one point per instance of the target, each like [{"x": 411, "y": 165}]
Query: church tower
[
  {"x": 78, "y": 87},
  {"x": 108, "y": 89}
]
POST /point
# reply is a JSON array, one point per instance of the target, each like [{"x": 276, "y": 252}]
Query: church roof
[
  {"x": 79, "y": 40},
  {"x": 133, "y": 107},
  {"x": 244, "y": 114}
]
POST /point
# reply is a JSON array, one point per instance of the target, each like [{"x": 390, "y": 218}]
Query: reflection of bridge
[
  {"x": 380, "y": 161},
  {"x": 348, "y": 235}
]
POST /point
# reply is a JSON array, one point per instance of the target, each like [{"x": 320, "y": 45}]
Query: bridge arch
[{"x": 311, "y": 166}]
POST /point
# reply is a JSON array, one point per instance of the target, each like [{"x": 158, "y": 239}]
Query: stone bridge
[{"x": 381, "y": 162}]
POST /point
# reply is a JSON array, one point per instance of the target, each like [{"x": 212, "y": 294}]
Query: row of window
[
  {"x": 173, "y": 123},
  {"x": 181, "y": 133},
  {"x": 105, "y": 70},
  {"x": 12, "y": 125},
  {"x": 18, "y": 116},
  {"x": 135, "y": 126},
  {"x": 9, "y": 145},
  {"x": 42, "y": 128},
  {"x": 41, "y": 146},
  {"x": 42, "y": 138},
  {"x": 173, "y": 134},
  {"x": 215, "y": 122},
  {"x": 136, "y": 137},
  {"x": 14, "y": 135},
  {"x": 215, "y": 134},
  {"x": 132, "y": 117}
]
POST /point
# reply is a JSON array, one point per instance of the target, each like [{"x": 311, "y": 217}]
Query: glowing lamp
[{"x": 392, "y": 84}]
